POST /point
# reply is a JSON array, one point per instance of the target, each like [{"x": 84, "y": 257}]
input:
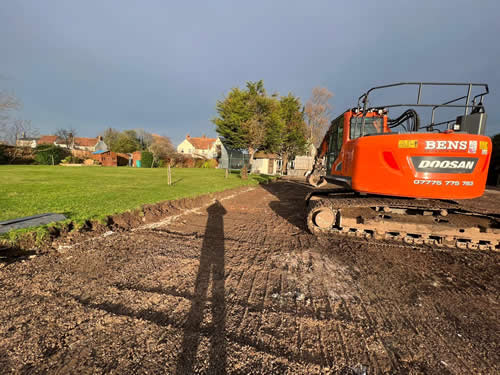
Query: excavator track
[{"x": 440, "y": 223}]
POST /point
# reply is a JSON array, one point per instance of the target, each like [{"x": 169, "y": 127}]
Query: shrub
[
  {"x": 146, "y": 159},
  {"x": 199, "y": 163},
  {"x": 49, "y": 154},
  {"x": 72, "y": 160},
  {"x": 211, "y": 163},
  {"x": 189, "y": 163},
  {"x": 183, "y": 161}
]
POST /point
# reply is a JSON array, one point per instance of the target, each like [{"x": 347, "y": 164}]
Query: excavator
[{"x": 404, "y": 181}]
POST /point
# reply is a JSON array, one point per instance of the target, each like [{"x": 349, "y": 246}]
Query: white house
[
  {"x": 78, "y": 143},
  {"x": 26, "y": 142},
  {"x": 200, "y": 147},
  {"x": 83, "y": 144}
]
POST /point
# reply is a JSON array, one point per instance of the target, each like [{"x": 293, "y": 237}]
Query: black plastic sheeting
[{"x": 30, "y": 221}]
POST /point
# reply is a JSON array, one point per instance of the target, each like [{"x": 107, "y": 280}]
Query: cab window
[
  {"x": 335, "y": 141},
  {"x": 372, "y": 125}
]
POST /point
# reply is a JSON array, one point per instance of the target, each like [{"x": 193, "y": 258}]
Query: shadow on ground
[
  {"x": 211, "y": 268},
  {"x": 11, "y": 254},
  {"x": 291, "y": 204}
]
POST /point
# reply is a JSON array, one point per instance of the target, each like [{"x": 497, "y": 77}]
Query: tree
[
  {"x": 66, "y": 136},
  {"x": 294, "y": 135},
  {"x": 127, "y": 142},
  {"x": 11, "y": 129},
  {"x": 16, "y": 129},
  {"x": 162, "y": 149},
  {"x": 110, "y": 137},
  {"x": 8, "y": 103},
  {"x": 145, "y": 138},
  {"x": 318, "y": 113},
  {"x": 249, "y": 119}
]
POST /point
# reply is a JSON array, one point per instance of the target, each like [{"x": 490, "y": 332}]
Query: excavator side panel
[{"x": 421, "y": 165}]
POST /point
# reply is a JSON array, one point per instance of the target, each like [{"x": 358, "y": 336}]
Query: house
[
  {"x": 266, "y": 163},
  {"x": 200, "y": 147},
  {"x": 231, "y": 158},
  {"x": 47, "y": 140},
  {"x": 77, "y": 143},
  {"x": 89, "y": 144},
  {"x": 26, "y": 141},
  {"x": 83, "y": 144}
]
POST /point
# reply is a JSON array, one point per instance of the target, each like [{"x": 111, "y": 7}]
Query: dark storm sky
[{"x": 162, "y": 65}]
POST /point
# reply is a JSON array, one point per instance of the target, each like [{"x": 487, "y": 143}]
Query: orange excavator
[{"x": 404, "y": 181}]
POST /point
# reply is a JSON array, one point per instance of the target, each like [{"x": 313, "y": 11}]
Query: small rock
[{"x": 299, "y": 296}]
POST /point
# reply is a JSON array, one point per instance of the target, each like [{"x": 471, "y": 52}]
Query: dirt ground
[{"x": 239, "y": 286}]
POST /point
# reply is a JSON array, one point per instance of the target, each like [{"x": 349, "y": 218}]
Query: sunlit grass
[{"x": 92, "y": 193}]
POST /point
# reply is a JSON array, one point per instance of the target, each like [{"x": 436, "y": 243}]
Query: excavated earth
[{"x": 237, "y": 285}]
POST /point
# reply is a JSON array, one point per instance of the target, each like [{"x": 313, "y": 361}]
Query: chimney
[
  {"x": 24, "y": 135},
  {"x": 188, "y": 136},
  {"x": 99, "y": 138},
  {"x": 203, "y": 136}
]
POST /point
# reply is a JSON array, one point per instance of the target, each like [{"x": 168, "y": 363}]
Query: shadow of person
[{"x": 211, "y": 268}]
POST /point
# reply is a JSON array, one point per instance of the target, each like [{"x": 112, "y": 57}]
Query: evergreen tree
[
  {"x": 249, "y": 119},
  {"x": 294, "y": 134}
]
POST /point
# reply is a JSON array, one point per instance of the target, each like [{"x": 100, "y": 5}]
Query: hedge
[
  {"x": 49, "y": 154},
  {"x": 146, "y": 159},
  {"x": 3, "y": 156}
]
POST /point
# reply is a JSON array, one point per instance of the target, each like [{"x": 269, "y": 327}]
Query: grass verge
[{"x": 93, "y": 193}]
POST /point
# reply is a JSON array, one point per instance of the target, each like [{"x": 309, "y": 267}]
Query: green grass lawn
[{"x": 83, "y": 193}]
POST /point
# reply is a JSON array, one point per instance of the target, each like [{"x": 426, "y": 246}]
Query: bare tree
[
  {"x": 11, "y": 129},
  {"x": 318, "y": 113},
  {"x": 15, "y": 130},
  {"x": 145, "y": 138},
  {"x": 8, "y": 103},
  {"x": 19, "y": 128},
  {"x": 66, "y": 136},
  {"x": 161, "y": 148}
]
